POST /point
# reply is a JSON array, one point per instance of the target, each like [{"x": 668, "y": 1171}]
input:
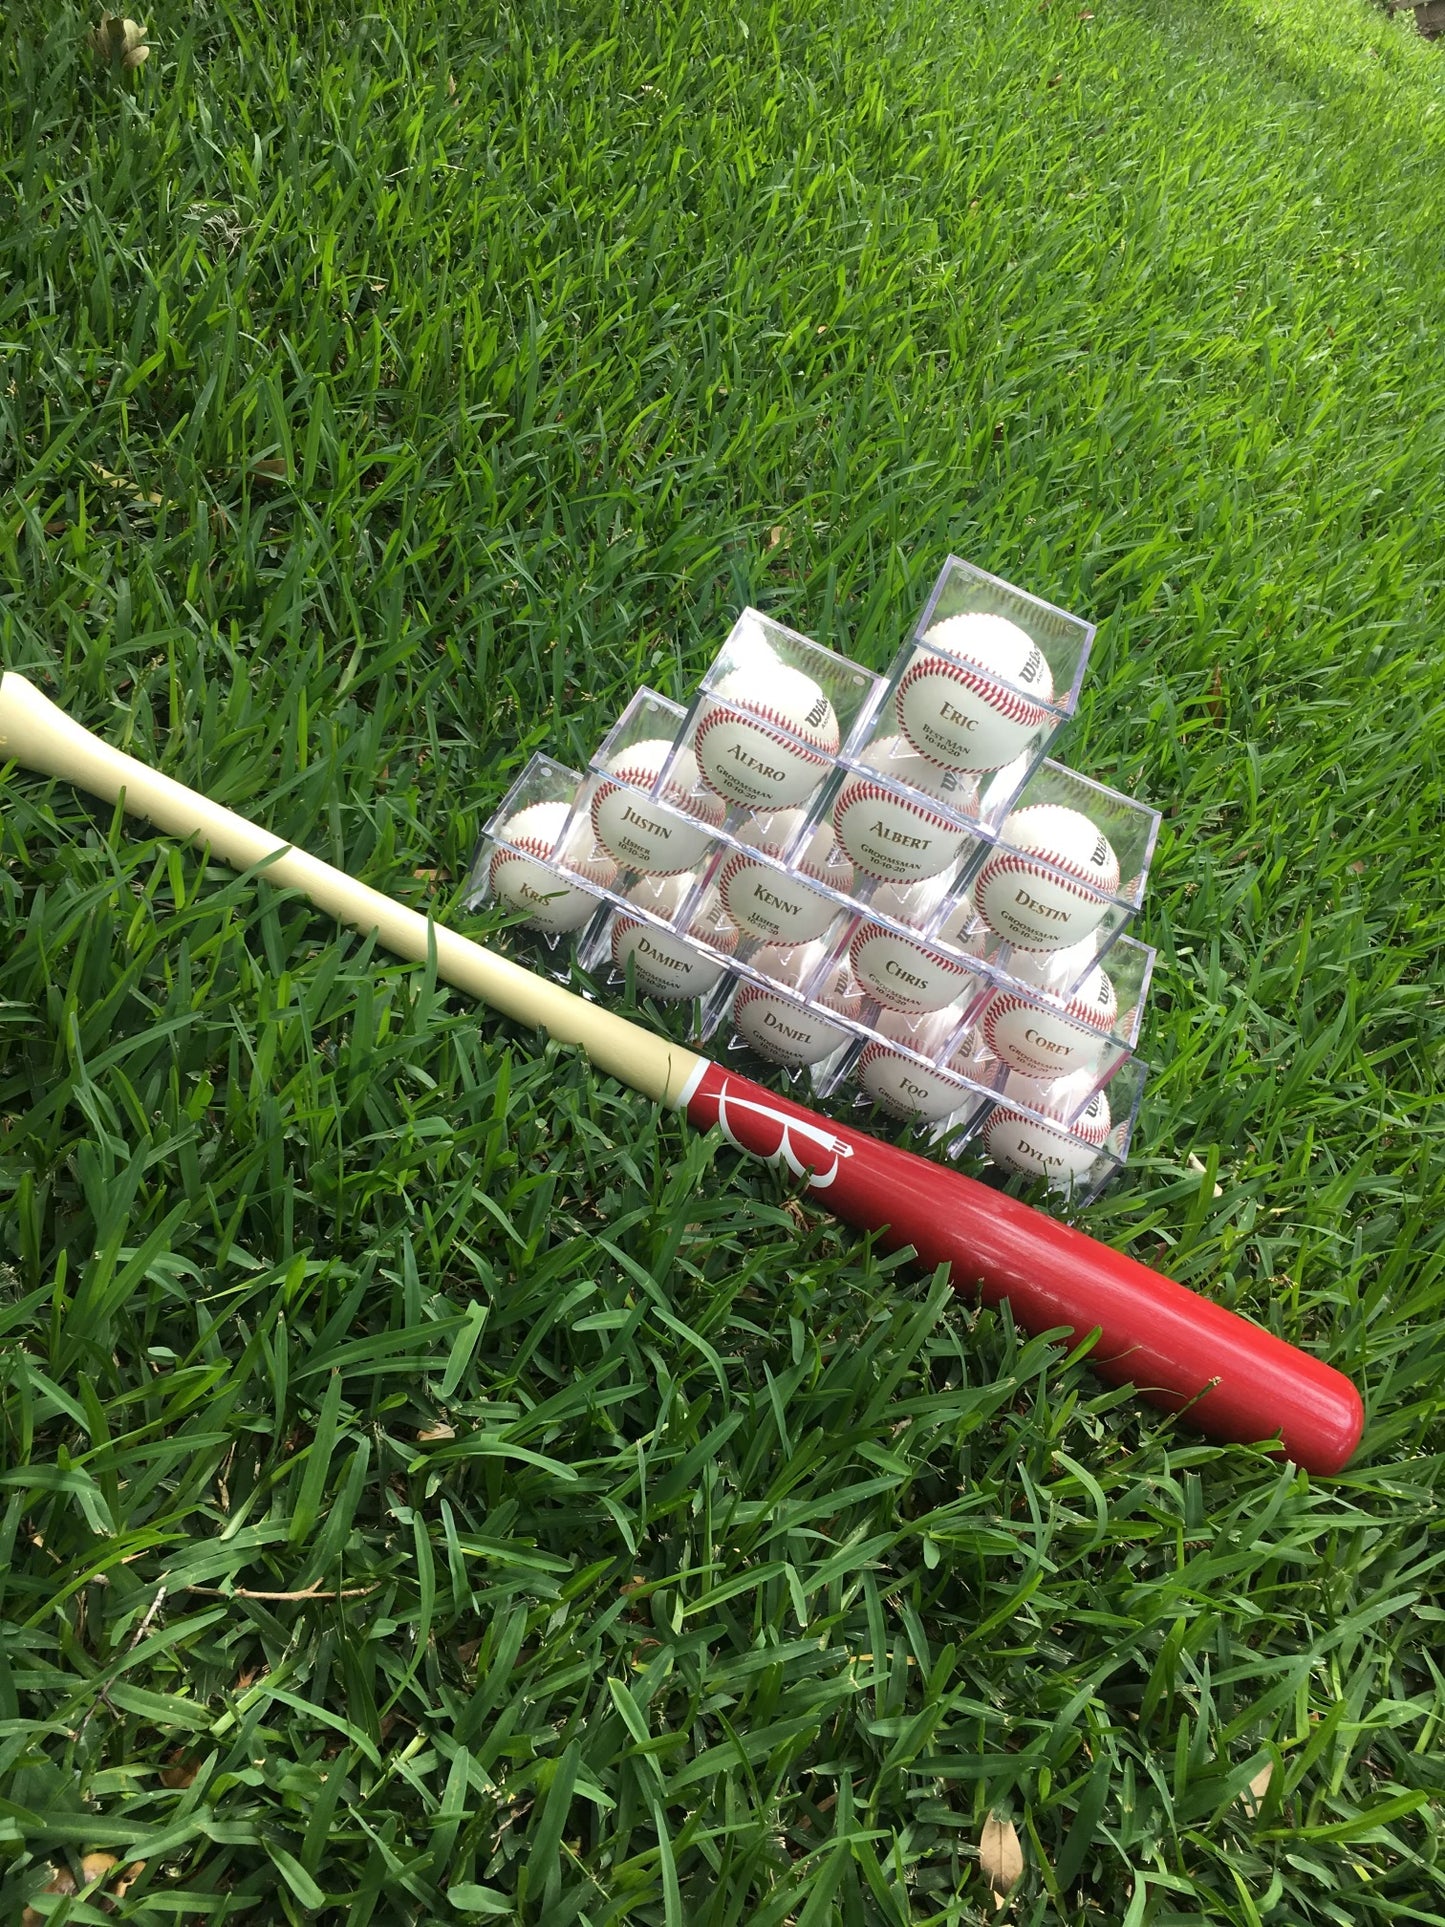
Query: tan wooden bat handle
[{"x": 35, "y": 733}]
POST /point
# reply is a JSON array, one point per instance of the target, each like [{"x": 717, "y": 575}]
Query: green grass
[{"x": 382, "y": 396}]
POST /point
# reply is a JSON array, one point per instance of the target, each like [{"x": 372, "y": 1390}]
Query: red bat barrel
[{"x": 1240, "y": 1382}]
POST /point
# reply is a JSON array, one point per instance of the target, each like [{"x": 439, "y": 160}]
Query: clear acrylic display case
[
  {"x": 537, "y": 856},
  {"x": 917, "y": 948},
  {"x": 648, "y": 807},
  {"x": 773, "y": 711},
  {"x": 894, "y": 833},
  {"x": 983, "y": 685},
  {"x": 774, "y": 904},
  {"x": 770, "y": 1030},
  {"x": 1069, "y": 867},
  {"x": 804, "y": 862},
  {"x": 671, "y": 935},
  {"x": 1023, "y": 1138},
  {"x": 1079, "y": 1038},
  {"x": 962, "y": 590},
  {"x": 931, "y": 1072}
]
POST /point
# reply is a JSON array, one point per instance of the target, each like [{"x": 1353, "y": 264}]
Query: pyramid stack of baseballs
[{"x": 874, "y": 882}]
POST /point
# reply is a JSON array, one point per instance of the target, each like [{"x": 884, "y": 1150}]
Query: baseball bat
[{"x": 1179, "y": 1349}]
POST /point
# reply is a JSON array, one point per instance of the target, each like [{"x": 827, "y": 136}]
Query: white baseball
[
  {"x": 890, "y": 836},
  {"x": 895, "y": 758},
  {"x": 1056, "y": 1038},
  {"x": 784, "y": 1030},
  {"x": 665, "y": 963},
  {"x": 817, "y": 856},
  {"x": 646, "y": 835},
  {"x": 907, "y": 1088},
  {"x": 772, "y": 903},
  {"x": 525, "y": 882},
  {"x": 1058, "y": 1151},
  {"x": 910, "y": 973},
  {"x": 955, "y": 712},
  {"x": 773, "y": 742},
  {"x": 1049, "y": 882}
]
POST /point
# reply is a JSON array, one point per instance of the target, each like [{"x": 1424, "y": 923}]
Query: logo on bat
[{"x": 738, "y": 1119}]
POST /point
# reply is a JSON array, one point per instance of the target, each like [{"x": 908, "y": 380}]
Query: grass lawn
[{"x": 434, "y": 1487}]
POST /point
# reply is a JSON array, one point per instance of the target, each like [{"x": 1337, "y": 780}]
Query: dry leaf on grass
[
  {"x": 96, "y": 1866},
  {"x": 120, "y": 43},
  {"x": 1000, "y": 1856},
  {"x": 1252, "y": 1798},
  {"x": 125, "y": 486},
  {"x": 61, "y": 1881}
]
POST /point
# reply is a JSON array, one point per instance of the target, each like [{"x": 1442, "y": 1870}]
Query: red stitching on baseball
[
  {"x": 748, "y": 992},
  {"x": 1003, "y": 701},
  {"x": 1050, "y": 1120},
  {"x": 531, "y": 848},
  {"x": 528, "y": 843},
  {"x": 862, "y": 791},
  {"x": 1005, "y": 1004},
  {"x": 1043, "y": 866},
  {"x": 1063, "y": 862},
  {"x": 723, "y": 941},
  {"x": 867, "y": 931},
  {"x": 673, "y": 796},
  {"x": 871, "y": 1053},
  {"x": 742, "y": 860},
  {"x": 793, "y": 739}
]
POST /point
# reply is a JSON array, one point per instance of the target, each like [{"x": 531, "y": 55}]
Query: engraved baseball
[
  {"x": 907, "y": 1088},
  {"x": 525, "y": 882},
  {"x": 1057, "y": 1151},
  {"x": 793, "y": 1033},
  {"x": 1049, "y": 882},
  {"x": 764, "y": 901},
  {"x": 956, "y": 709},
  {"x": 891, "y": 836},
  {"x": 1056, "y": 1038},
  {"x": 665, "y": 964},
  {"x": 648, "y": 835},
  {"x": 772, "y": 743},
  {"x": 911, "y": 973}
]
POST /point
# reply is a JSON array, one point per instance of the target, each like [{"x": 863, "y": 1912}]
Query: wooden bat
[{"x": 1179, "y": 1349}]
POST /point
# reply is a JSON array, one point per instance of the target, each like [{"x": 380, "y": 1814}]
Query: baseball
[
  {"x": 1040, "y": 1039},
  {"x": 664, "y": 963},
  {"x": 1047, "y": 908},
  {"x": 764, "y": 901},
  {"x": 818, "y": 856},
  {"x": 907, "y": 973},
  {"x": 772, "y": 744},
  {"x": 524, "y": 882},
  {"x": 793, "y": 1033},
  {"x": 1042, "y": 1150},
  {"x": 926, "y": 1092},
  {"x": 954, "y": 712},
  {"x": 646, "y": 835},
  {"x": 890, "y": 836}
]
